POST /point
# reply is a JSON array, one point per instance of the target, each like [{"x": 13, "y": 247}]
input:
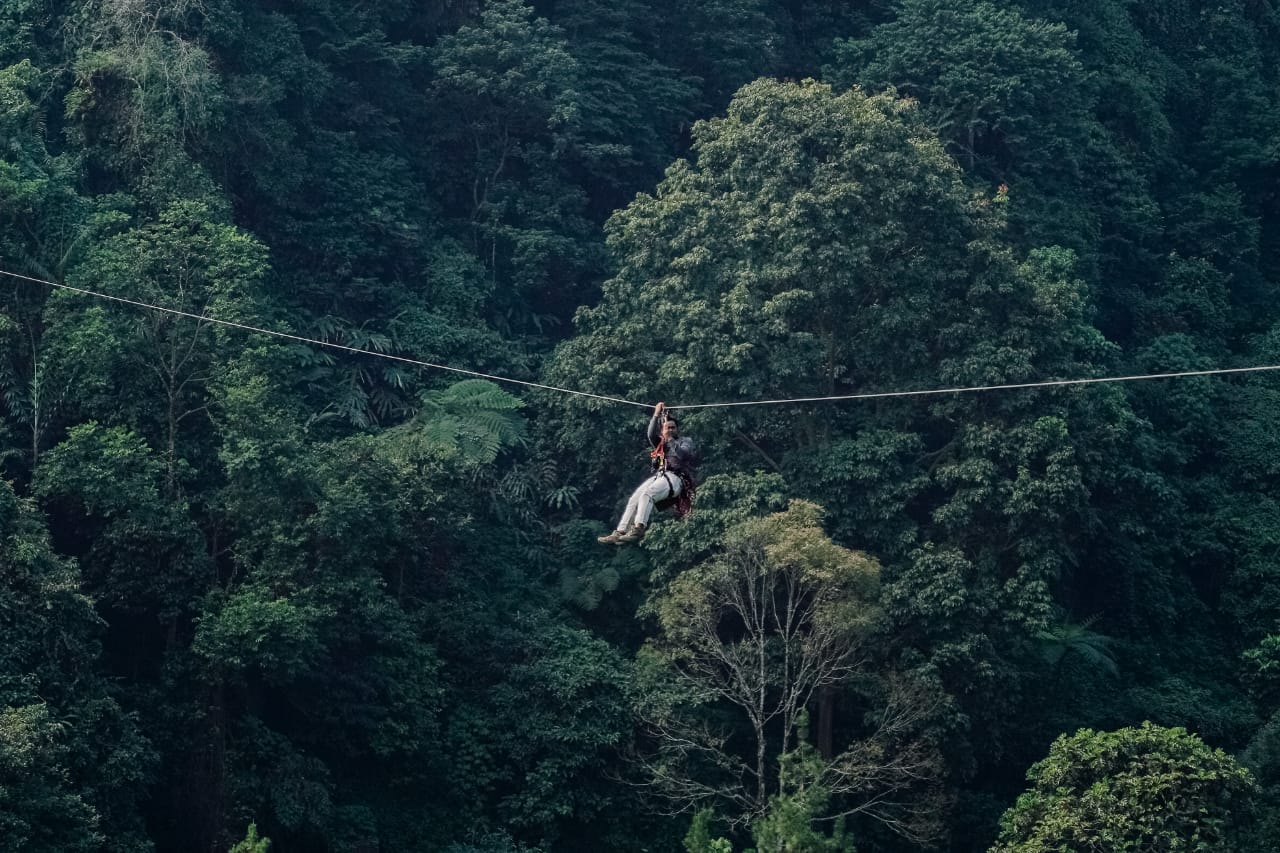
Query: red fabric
[
  {"x": 684, "y": 500},
  {"x": 660, "y": 453}
]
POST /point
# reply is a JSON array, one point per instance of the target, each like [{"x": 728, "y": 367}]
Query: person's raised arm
[{"x": 655, "y": 424}]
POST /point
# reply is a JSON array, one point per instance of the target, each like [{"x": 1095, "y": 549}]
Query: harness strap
[
  {"x": 660, "y": 452},
  {"x": 671, "y": 487}
]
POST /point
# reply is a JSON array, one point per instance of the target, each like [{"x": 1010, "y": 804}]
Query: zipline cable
[
  {"x": 873, "y": 395},
  {"x": 964, "y": 389},
  {"x": 207, "y": 319}
]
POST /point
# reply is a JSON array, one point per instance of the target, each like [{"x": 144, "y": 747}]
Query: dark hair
[{"x": 673, "y": 420}]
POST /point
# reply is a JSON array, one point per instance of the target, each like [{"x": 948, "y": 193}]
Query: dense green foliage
[
  {"x": 256, "y": 593},
  {"x": 1147, "y": 788}
]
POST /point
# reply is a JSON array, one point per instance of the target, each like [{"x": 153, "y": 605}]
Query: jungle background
[{"x": 259, "y": 590}]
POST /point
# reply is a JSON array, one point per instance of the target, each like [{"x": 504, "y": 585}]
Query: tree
[
  {"x": 722, "y": 44},
  {"x": 814, "y": 27},
  {"x": 146, "y": 95},
  {"x": 802, "y": 799},
  {"x": 44, "y": 213},
  {"x": 39, "y": 808},
  {"x": 73, "y": 764},
  {"x": 1262, "y": 755},
  {"x": 252, "y": 843},
  {"x": 315, "y": 671},
  {"x": 631, "y": 106},
  {"x": 698, "y": 839},
  {"x": 140, "y": 549},
  {"x": 788, "y": 826},
  {"x": 1007, "y": 93},
  {"x": 750, "y": 637},
  {"x": 779, "y": 233},
  {"x": 1250, "y": 517},
  {"x": 990, "y": 80},
  {"x": 162, "y": 362},
  {"x": 532, "y": 729},
  {"x": 28, "y": 31},
  {"x": 378, "y": 619},
  {"x": 46, "y": 224},
  {"x": 330, "y": 154},
  {"x": 514, "y": 79},
  {"x": 819, "y": 244},
  {"x": 1147, "y": 788}
]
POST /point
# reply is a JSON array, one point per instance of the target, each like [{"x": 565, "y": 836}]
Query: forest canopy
[{"x": 296, "y": 588}]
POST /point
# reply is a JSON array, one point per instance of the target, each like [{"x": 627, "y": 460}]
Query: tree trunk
[
  {"x": 826, "y": 720},
  {"x": 171, "y": 454}
]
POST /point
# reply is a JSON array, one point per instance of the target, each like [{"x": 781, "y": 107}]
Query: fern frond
[{"x": 479, "y": 418}]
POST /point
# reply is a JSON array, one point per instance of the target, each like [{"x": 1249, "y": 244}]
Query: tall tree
[
  {"x": 145, "y": 98},
  {"x": 187, "y": 262},
  {"x": 48, "y": 224},
  {"x": 632, "y": 106},
  {"x": 1006, "y": 92},
  {"x": 513, "y": 78},
  {"x": 753, "y": 637},
  {"x": 723, "y": 44}
]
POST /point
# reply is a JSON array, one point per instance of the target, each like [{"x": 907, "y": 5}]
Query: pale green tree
[
  {"x": 251, "y": 843},
  {"x": 747, "y": 640},
  {"x": 1140, "y": 788}
]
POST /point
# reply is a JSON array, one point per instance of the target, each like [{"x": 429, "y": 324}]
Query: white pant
[{"x": 656, "y": 488}]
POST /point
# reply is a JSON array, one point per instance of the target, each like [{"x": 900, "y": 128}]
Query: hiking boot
[
  {"x": 635, "y": 534},
  {"x": 614, "y": 538}
]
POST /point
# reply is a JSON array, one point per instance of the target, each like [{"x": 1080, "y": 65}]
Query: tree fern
[
  {"x": 1070, "y": 638},
  {"x": 470, "y": 422}
]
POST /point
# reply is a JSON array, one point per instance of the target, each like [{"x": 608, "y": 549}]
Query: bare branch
[{"x": 758, "y": 630}]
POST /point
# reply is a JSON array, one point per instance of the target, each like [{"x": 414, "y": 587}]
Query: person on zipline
[{"x": 671, "y": 483}]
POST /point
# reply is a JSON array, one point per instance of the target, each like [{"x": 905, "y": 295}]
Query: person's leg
[
  {"x": 656, "y": 488},
  {"x": 633, "y": 507},
  {"x": 628, "y": 514}
]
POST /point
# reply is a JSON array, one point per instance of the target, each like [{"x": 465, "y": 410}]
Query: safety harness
[{"x": 683, "y": 502}]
